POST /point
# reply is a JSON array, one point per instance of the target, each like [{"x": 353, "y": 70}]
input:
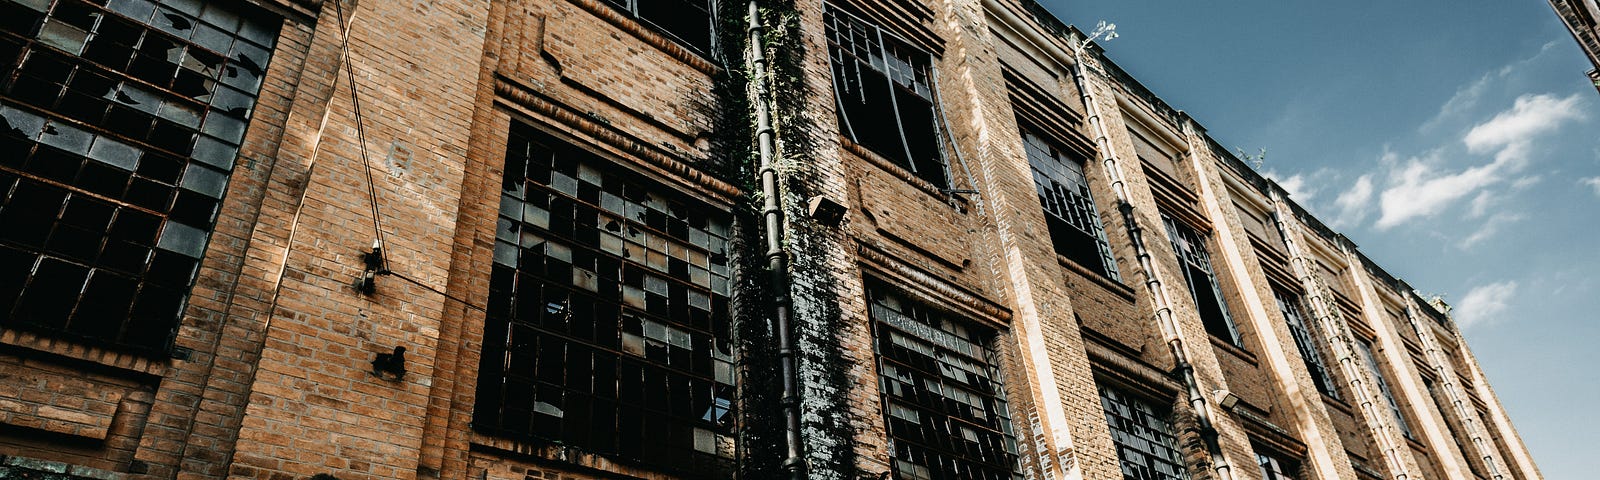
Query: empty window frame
[
  {"x": 1143, "y": 434},
  {"x": 1075, "y": 227},
  {"x": 607, "y": 326},
  {"x": 1191, "y": 250},
  {"x": 883, "y": 96},
  {"x": 121, "y": 123},
  {"x": 1306, "y": 341},
  {"x": 943, "y": 401},
  {"x": 691, "y": 22},
  {"x": 1376, "y": 371},
  {"x": 1276, "y": 467}
]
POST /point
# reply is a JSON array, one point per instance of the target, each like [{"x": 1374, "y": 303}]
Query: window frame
[
  {"x": 1305, "y": 339},
  {"x": 1143, "y": 407},
  {"x": 165, "y": 91},
  {"x": 712, "y": 46},
  {"x": 911, "y": 79},
  {"x": 662, "y": 321},
  {"x": 1364, "y": 346},
  {"x": 1082, "y": 201},
  {"x": 1192, "y": 253},
  {"x": 901, "y": 322}
]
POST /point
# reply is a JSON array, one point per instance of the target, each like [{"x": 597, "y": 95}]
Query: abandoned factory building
[{"x": 601, "y": 239}]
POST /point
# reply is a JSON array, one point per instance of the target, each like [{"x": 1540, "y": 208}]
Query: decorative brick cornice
[
  {"x": 933, "y": 288},
  {"x": 528, "y": 98}
]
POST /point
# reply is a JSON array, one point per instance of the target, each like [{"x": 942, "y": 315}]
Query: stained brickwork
[{"x": 271, "y": 371}]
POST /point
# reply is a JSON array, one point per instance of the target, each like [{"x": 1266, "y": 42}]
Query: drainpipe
[
  {"x": 777, "y": 259},
  {"x": 1452, "y": 389},
  {"x": 1332, "y": 325},
  {"x": 1158, "y": 291}
]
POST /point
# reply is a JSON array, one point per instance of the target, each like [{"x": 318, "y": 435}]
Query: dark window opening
[
  {"x": 691, "y": 22},
  {"x": 1202, "y": 280},
  {"x": 943, "y": 399},
  {"x": 1376, "y": 371},
  {"x": 1075, "y": 227},
  {"x": 607, "y": 326},
  {"x": 1275, "y": 466},
  {"x": 1306, "y": 342},
  {"x": 113, "y": 170},
  {"x": 1142, "y": 431},
  {"x": 883, "y": 96}
]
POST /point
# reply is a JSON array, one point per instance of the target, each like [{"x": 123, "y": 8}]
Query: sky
[{"x": 1457, "y": 143}]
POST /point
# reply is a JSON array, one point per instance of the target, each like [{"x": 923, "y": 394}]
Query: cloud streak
[{"x": 1484, "y": 304}]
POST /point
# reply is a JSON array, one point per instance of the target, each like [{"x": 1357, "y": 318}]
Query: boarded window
[
  {"x": 607, "y": 326},
  {"x": 1075, "y": 227},
  {"x": 120, "y": 127},
  {"x": 882, "y": 95},
  {"x": 943, "y": 401},
  {"x": 1155, "y": 156},
  {"x": 1306, "y": 342},
  {"x": 691, "y": 22},
  {"x": 1143, "y": 434},
  {"x": 1202, "y": 281}
]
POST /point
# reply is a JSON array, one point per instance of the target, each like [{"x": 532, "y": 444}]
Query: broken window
[
  {"x": 1289, "y": 304},
  {"x": 607, "y": 326},
  {"x": 1074, "y": 223},
  {"x": 121, "y": 122},
  {"x": 882, "y": 95},
  {"x": 943, "y": 401},
  {"x": 691, "y": 22},
  {"x": 1196, "y": 262},
  {"x": 1383, "y": 387},
  {"x": 1276, "y": 467},
  {"x": 1143, "y": 434}
]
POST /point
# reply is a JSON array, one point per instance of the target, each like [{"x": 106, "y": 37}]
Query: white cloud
[
  {"x": 1465, "y": 98},
  {"x": 1510, "y": 133},
  {"x": 1592, "y": 182},
  {"x": 1484, "y": 304},
  {"x": 1421, "y": 187},
  {"x": 1296, "y": 186},
  {"x": 1353, "y": 204},
  {"x": 1494, "y": 225}
]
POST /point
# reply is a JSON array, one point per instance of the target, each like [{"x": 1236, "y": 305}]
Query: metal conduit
[
  {"x": 777, "y": 259},
  {"x": 1162, "y": 303},
  {"x": 1452, "y": 388},
  {"x": 1339, "y": 337}
]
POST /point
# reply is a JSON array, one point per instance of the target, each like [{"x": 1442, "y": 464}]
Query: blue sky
[{"x": 1457, "y": 142}]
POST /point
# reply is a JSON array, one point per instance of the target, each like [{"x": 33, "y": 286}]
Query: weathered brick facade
[{"x": 1029, "y": 348}]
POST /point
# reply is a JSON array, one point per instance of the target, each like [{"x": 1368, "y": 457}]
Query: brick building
[
  {"x": 1582, "y": 18},
  {"x": 223, "y": 220}
]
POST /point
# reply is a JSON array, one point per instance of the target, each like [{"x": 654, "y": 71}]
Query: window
[
  {"x": 607, "y": 326},
  {"x": 691, "y": 22},
  {"x": 1075, "y": 227},
  {"x": 1191, "y": 250},
  {"x": 1383, "y": 386},
  {"x": 1142, "y": 432},
  {"x": 120, "y": 127},
  {"x": 1289, "y": 304},
  {"x": 882, "y": 95},
  {"x": 1274, "y": 467},
  {"x": 943, "y": 401}
]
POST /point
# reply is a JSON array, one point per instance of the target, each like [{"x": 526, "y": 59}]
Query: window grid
[
  {"x": 607, "y": 326},
  {"x": 1289, "y": 304},
  {"x": 1143, "y": 435},
  {"x": 883, "y": 95},
  {"x": 1274, "y": 468},
  {"x": 1069, "y": 207},
  {"x": 1190, "y": 248},
  {"x": 121, "y": 126},
  {"x": 691, "y": 22},
  {"x": 944, "y": 405},
  {"x": 1383, "y": 387}
]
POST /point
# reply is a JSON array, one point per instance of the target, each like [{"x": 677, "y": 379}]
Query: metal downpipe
[
  {"x": 794, "y": 463},
  {"x": 1163, "y": 309}
]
